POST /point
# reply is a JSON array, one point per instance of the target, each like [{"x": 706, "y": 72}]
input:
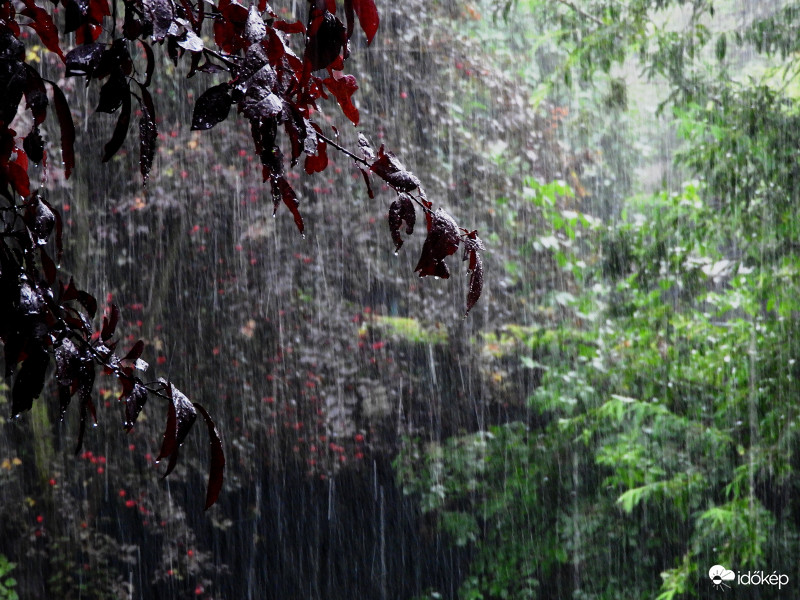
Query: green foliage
[
  {"x": 662, "y": 432},
  {"x": 7, "y": 582}
]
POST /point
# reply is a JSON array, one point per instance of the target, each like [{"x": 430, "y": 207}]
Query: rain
[{"x": 488, "y": 299}]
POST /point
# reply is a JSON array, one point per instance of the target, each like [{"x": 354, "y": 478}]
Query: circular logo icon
[{"x": 719, "y": 575}]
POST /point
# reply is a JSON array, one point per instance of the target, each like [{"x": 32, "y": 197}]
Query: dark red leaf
[
  {"x": 98, "y": 9},
  {"x": 82, "y": 60},
  {"x": 160, "y": 13},
  {"x": 39, "y": 219},
  {"x": 296, "y": 27},
  {"x": 135, "y": 398},
  {"x": 180, "y": 419},
  {"x": 151, "y": 63},
  {"x": 33, "y": 144},
  {"x": 148, "y": 134},
  {"x": 43, "y": 25},
  {"x": 120, "y": 131},
  {"x": 326, "y": 39},
  {"x": 110, "y": 323},
  {"x": 389, "y": 168},
  {"x": 135, "y": 352},
  {"x": 343, "y": 87},
  {"x": 18, "y": 178},
  {"x": 441, "y": 242},
  {"x": 401, "y": 210},
  {"x": 217, "y": 461},
  {"x": 113, "y": 93},
  {"x": 67, "y": 130},
  {"x": 475, "y": 280},
  {"x": 88, "y": 33},
  {"x": 281, "y": 189},
  {"x": 212, "y": 107},
  {"x": 367, "y": 17},
  {"x": 35, "y": 95},
  {"x": 59, "y": 228},
  {"x": 316, "y": 150},
  {"x": 365, "y": 173}
]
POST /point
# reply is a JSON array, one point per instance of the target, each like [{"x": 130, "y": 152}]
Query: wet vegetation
[{"x": 616, "y": 413}]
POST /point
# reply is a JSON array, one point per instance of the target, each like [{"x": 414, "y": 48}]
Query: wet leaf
[
  {"x": 180, "y": 419},
  {"x": 35, "y": 95},
  {"x": 134, "y": 395},
  {"x": 148, "y": 135},
  {"x": 217, "y": 460},
  {"x": 135, "y": 352},
  {"x": 110, "y": 323},
  {"x": 160, "y": 13},
  {"x": 33, "y": 144},
  {"x": 67, "y": 130},
  {"x": 282, "y": 190},
  {"x": 191, "y": 42},
  {"x": 113, "y": 93},
  {"x": 255, "y": 30},
  {"x": 367, "y": 16},
  {"x": 151, "y": 63},
  {"x": 43, "y": 25},
  {"x": 39, "y": 219},
  {"x": 475, "y": 280},
  {"x": 120, "y": 131},
  {"x": 343, "y": 87},
  {"x": 401, "y": 210},
  {"x": 212, "y": 107},
  {"x": 442, "y": 241},
  {"x": 389, "y": 168},
  {"x": 325, "y": 41},
  {"x": 83, "y": 60}
]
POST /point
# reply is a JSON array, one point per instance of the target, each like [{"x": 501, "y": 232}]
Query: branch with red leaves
[{"x": 279, "y": 71}]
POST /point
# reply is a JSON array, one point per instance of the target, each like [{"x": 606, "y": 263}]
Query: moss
[{"x": 410, "y": 329}]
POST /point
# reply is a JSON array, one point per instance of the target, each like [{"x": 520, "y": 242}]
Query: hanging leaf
[
  {"x": 326, "y": 39},
  {"x": 39, "y": 219},
  {"x": 212, "y": 107},
  {"x": 401, "y": 210},
  {"x": 83, "y": 60},
  {"x": 33, "y": 144},
  {"x": 282, "y": 190},
  {"x": 367, "y": 16},
  {"x": 67, "y": 129},
  {"x": 110, "y": 323},
  {"x": 180, "y": 419},
  {"x": 120, "y": 131},
  {"x": 148, "y": 135},
  {"x": 217, "y": 460},
  {"x": 113, "y": 93},
  {"x": 43, "y": 25},
  {"x": 343, "y": 87},
  {"x": 442, "y": 241},
  {"x": 134, "y": 395},
  {"x": 389, "y": 168}
]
